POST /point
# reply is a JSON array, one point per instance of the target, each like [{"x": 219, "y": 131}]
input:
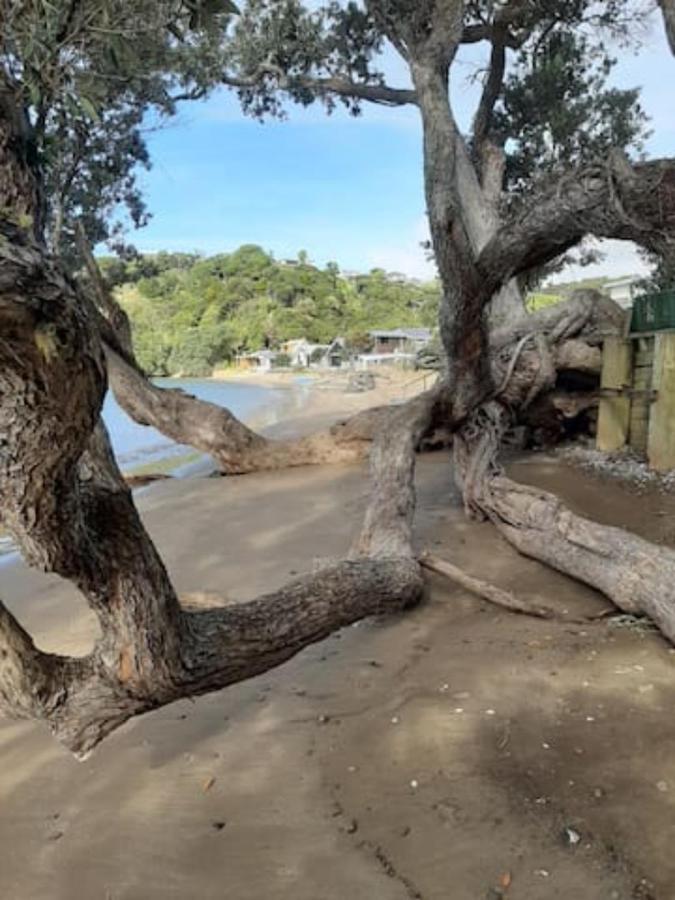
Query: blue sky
[{"x": 342, "y": 189}]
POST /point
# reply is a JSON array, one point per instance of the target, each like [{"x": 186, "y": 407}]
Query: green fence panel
[{"x": 654, "y": 312}]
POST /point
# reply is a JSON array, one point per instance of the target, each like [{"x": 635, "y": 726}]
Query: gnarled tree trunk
[
  {"x": 71, "y": 513},
  {"x": 64, "y": 501},
  {"x": 497, "y": 374}
]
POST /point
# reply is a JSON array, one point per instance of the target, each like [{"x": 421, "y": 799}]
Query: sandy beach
[{"x": 455, "y": 752}]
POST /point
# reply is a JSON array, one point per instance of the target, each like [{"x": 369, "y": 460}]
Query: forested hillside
[{"x": 190, "y": 313}]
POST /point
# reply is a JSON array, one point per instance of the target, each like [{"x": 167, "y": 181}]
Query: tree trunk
[
  {"x": 71, "y": 513},
  {"x": 668, "y": 10},
  {"x": 476, "y": 257},
  {"x": 481, "y": 220},
  {"x": 21, "y": 196}
]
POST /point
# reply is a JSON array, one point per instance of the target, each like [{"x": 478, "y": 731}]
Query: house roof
[
  {"x": 626, "y": 281},
  {"x": 259, "y": 354},
  {"x": 406, "y": 334}
]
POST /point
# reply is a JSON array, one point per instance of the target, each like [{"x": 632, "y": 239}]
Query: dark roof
[{"x": 406, "y": 334}]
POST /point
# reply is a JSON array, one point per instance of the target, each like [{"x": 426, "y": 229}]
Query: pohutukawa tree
[{"x": 502, "y": 204}]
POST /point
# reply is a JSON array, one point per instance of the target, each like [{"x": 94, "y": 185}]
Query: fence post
[
  {"x": 661, "y": 443},
  {"x": 614, "y": 414}
]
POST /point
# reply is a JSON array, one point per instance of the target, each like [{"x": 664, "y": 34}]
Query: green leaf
[{"x": 89, "y": 108}]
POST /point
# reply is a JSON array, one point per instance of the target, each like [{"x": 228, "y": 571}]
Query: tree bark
[
  {"x": 668, "y": 10},
  {"x": 21, "y": 197},
  {"x": 215, "y": 430},
  {"x": 612, "y": 199}
]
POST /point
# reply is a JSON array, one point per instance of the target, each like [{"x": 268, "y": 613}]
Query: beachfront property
[
  {"x": 304, "y": 354},
  {"x": 258, "y": 360},
  {"x": 399, "y": 340},
  {"x": 397, "y": 346}
]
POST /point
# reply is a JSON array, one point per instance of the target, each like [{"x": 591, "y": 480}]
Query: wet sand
[{"x": 428, "y": 756}]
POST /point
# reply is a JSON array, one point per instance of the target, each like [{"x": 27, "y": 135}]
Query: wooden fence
[{"x": 637, "y": 397}]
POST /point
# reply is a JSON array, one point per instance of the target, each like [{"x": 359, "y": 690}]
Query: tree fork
[{"x": 68, "y": 507}]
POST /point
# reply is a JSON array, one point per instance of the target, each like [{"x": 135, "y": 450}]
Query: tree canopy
[
  {"x": 189, "y": 313},
  {"x": 94, "y": 76},
  {"x": 86, "y": 78}
]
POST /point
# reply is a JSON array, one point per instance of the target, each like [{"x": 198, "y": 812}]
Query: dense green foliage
[
  {"x": 84, "y": 75},
  {"x": 556, "y": 108},
  {"x": 190, "y": 313}
]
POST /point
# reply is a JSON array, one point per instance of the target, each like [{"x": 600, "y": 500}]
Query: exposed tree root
[
  {"x": 636, "y": 575},
  {"x": 504, "y": 599},
  {"x": 489, "y": 592}
]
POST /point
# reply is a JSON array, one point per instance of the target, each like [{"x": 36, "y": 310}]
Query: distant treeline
[{"x": 190, "y": 313}]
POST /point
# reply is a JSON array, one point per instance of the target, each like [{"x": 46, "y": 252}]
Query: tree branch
[
  {"x": 491, "y": 91},
  {"x": 610, "y": 200},
  {"x": 105, "y": 301},
  {"x": 71, "y": 513},
  {"x": 342, "y": 87},
  {"x": 668, "y": 10}
]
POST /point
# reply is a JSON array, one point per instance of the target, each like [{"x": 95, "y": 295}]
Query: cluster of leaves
[
  {"x": 557, "y": 109},
  {"x": 85, "y": 74},
  {"x": 278, "y": 46},
  {"x": 189, "y": 313},
  {"x": 662, "y": 274}
]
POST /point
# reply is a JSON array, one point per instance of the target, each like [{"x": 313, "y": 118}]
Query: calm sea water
[{"x": 138, "y": 444}]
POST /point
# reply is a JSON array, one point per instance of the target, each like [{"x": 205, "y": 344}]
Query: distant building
[
  {"x": 623, "y": 290},
  {"x": 400, "y": 340},
  {"x": 259, "y": 360},
  {"x": 337, "y": 354},
  {"x": 304, "y": 354},
  {"x": 397, "y": 347}
]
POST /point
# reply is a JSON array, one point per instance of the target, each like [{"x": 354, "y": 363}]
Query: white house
[
  {"x": 304, "y": 354},
  {"x": 623, "y": 290}
]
